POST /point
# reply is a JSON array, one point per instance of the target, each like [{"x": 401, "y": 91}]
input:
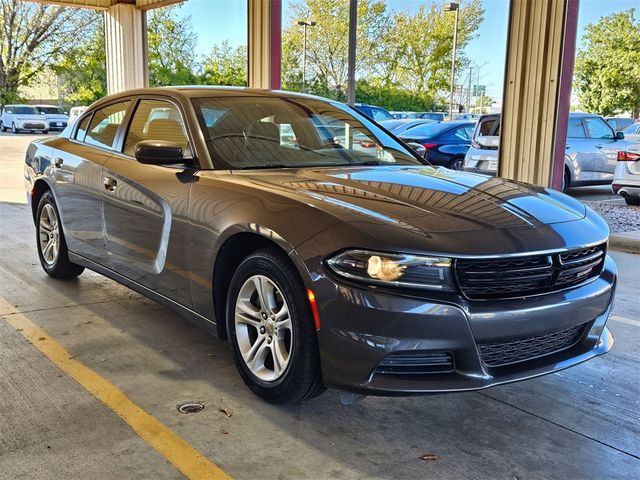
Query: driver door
[{"x": 146, "y": 206}]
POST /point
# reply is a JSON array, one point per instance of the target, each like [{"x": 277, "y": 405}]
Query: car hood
[{"x": 427, "y": 198}]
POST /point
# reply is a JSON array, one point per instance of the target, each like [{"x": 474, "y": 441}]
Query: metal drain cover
[{"x": 190, "y": 407}]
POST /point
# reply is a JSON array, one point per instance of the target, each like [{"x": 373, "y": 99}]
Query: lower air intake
[{"x": 416, "y": 362}]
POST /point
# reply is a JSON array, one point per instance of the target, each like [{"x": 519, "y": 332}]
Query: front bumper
[{"x": 362, "y": 326}]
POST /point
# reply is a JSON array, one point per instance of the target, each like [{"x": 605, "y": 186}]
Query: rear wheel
[
  {"x": 457, "y": 164},
  {"x": 566, "y": 181},
  {"x": 52, "y": 248},
  {"x": 633, "y": 201},
  {"x": 271, "y": 330},
  {"x": 44, "y": 132}
]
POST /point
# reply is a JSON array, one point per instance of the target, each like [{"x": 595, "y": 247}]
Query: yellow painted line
[
  {"x": 181, "y": 454},
  {"x": 628, "y": 321}
]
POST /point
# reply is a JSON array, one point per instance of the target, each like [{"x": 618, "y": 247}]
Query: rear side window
[
  {"x": 156, "y": 120},
  {"x": 598, "y": 128},
  {"x": 82, "y": 128},
  {"x": 104, "y": 124},
  {"x": 575, "y": 129}
]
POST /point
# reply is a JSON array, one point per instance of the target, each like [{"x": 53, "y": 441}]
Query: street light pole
[
  {"x": 478, "y": 68},
  {"x": 304, "y": 24},
  {"x": 453, "y": 7}
]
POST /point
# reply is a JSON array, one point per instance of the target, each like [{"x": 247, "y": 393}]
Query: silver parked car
[
  {"x": 632, "y": 132},
  {"x": 591, "y": 149},
  {"x": 626, "y": 179},
  {"x": 55, "y": 117}
]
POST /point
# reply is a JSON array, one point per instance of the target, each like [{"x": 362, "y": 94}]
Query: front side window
[
  {"x": 278, "y": 132},
  {"x": 104, "y": 124},
  {"x": 598, "y": 128},
  {"x": 156, "y": 120}
]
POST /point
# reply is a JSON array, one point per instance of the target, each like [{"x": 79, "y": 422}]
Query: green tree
[
  {"x": 607, "y": 71},
  {"x": 327, "y": 42},
  {"x": 416, "y": 51},
  {"x": 82, "y": 71},
  {"x": 226, "y": 65},
  {"x": 32, "y": 36},
  {"x": 172, "y": 42}
]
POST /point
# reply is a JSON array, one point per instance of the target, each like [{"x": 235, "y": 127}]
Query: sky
[{"x": 218, "y": 20}]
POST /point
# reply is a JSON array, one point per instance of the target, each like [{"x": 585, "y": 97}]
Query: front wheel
[
  {"x": 52, "y": 247},
  {"x": 2, "y": 127},
  {"x": 271, "y": 330},
  {"x": 14, "y": 129}
]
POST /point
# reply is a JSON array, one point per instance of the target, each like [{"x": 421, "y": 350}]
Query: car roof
[{"x": 199, "y": 91}]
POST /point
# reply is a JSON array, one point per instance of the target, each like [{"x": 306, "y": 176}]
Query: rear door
[
  {"x": 603, "y": 141},
  {"x": 581, "y": 150},
  {"x": 77, "y": 164},
  {"x": 146, "y": 206}
]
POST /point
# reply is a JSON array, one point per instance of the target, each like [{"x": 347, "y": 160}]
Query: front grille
[
  {"x": 500, "y": 354},
  {"x": 486, "y": 279},
  {"x": 33, "y": 126},
  {"x": 416, "y": 362}
]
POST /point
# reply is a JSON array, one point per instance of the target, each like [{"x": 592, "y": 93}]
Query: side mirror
[
  {"x": 158, "y": 152},
  {"x": 619, "y": 135}
]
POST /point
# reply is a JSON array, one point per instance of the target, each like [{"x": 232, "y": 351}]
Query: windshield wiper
[{"x": 268, "y": 165}]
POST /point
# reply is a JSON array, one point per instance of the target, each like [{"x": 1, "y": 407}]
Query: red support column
[
  {"x": 564, "y": 97},
  {"x": 275, "y": 47}
]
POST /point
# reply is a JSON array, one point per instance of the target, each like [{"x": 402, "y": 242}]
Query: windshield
[
  {"x": 632, "y": 128},
  {"x": 50, "y": 110},
  {"x": 426, "y": 130},
  {"x": 24, "y": 110},
  {"x": 279, "y": 132}
]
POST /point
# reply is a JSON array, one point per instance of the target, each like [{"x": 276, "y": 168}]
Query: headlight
[{"x": 400, "y": 270}]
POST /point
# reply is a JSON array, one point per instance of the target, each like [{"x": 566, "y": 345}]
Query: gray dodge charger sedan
[{"x": 326, "y": 251}]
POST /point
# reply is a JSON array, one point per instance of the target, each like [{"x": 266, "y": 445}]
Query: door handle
[
  {"x": 598, "y": 146},
  {"x": 58, "y": 162},
  {"x": 567, "y": 147},
  {"x": 110, "y": 183}
]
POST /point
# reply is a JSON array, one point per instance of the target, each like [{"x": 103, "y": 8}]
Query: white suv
[{"x": 22, "y": 117}]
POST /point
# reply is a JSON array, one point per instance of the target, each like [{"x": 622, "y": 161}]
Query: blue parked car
[{"x": 446, "y": 143}]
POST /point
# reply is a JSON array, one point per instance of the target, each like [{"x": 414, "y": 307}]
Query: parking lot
[{"x": 579, "y": 423}]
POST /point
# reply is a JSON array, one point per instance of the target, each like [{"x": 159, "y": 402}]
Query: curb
[{"x": 625, "y": 242}]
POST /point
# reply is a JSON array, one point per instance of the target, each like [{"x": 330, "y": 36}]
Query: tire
[
  {"x": 44, "y": 132},
  {"x": 52, "y": 247},
  {"x": 632, "y": 201},
  {"x": 14, "y": 130},
  {"x": 293, "y": 335},
  {"x": 457, "y": 164},
  {"x": 2, "y": 127},
  {"x": 566, "y": 181}
]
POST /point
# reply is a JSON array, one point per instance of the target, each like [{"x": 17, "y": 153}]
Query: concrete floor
[{"x": 580, "y": 423}]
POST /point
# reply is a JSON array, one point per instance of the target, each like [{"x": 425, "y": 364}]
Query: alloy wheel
[
  {"x": 264, "y": 331},
  {"x": 49, "y": 234}
]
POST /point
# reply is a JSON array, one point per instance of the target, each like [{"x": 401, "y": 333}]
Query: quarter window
[
  {"x": 575, "y": 128},
  {"x": 156, "y": 120},
  {"x": 104, "y": 125},
  {"x": 82, "y": 128}
]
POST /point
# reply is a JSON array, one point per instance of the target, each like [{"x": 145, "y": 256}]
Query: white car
[
  {"x": 75, "y": 112},
  {"x": 632, "y": 132},
  {"x": 55, "y": 117},
  {"x": 22, "y": 117},
  {"x": 626, "y": 179}
]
